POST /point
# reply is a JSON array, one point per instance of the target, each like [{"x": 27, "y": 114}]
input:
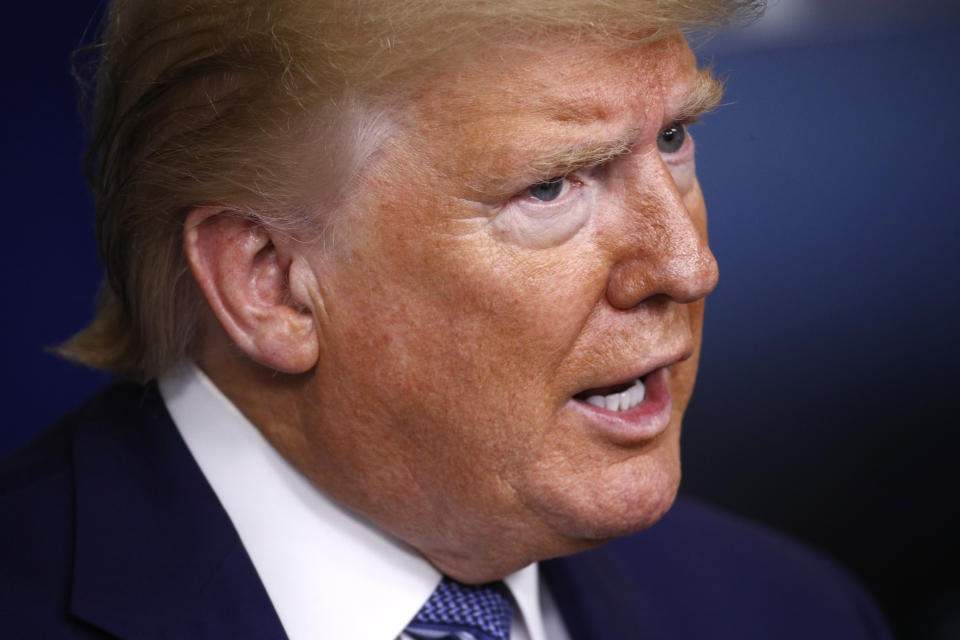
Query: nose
[{"x": 661, "y": 243}]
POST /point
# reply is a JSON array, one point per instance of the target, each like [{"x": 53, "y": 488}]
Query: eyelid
[
  {"x": 561, "y": 173},
  {"x": 524, "y": 194},
  {"x": 584, "y": 170},
  {"x": 573, "y": 162},
  {"x": 686, "y": 122}
]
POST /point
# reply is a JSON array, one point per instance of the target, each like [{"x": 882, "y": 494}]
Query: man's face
[{"x": 533, "y": 236}]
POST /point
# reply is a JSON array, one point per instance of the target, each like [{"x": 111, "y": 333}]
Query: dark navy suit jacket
[{"x": 109, "y": 529}]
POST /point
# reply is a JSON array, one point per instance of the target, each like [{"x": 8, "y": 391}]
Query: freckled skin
[{"x": 440, "y": 406}]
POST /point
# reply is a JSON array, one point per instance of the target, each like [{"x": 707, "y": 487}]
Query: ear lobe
[{"x": 245, "y": 280}]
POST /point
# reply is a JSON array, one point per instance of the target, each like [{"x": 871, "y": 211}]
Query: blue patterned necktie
[{"x": 463, "y": 612}]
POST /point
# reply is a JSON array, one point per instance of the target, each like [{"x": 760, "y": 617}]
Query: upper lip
[{"x": 627, "y": 375}]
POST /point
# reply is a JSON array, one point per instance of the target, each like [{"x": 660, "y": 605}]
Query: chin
[
  {"x": 626, "y": 513},
  {"x": 619, "y": 501}
]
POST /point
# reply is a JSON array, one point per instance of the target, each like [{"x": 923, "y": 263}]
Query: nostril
[{"x": 628, "y": 286}]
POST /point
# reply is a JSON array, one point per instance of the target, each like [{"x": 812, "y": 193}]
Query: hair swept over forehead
[
  {"x": 358, "y": 41},
  {"x": 244, "y": 102}
]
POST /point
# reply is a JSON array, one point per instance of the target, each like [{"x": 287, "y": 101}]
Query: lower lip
[{"x": 643, "y": 422}]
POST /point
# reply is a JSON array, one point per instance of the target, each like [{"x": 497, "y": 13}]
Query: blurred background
[{"x": 830, "y": 375}]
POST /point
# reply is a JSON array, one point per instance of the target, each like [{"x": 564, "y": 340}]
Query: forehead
[
  {"x": 573, "y": 81},
  {"x": 493, "y": 111}
]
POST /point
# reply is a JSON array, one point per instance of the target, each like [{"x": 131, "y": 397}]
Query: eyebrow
[
  {"x": 703, "y": 96},
  {"x": 550, "y": 163},
  {"x": 568, "y": 159}
]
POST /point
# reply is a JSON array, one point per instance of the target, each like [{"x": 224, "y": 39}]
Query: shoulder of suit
[
  {"x": 37, "y": 498},
  {"x": 48, "y": 455},
  {"x": 721, "y": 566}
]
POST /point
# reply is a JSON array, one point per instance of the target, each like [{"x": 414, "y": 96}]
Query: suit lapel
[{"x": 156, "y": 555}]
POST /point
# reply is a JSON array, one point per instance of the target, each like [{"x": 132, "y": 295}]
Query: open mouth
[
  {"x": 621, "y": 397},
  {"x": 629, "y": 412}
]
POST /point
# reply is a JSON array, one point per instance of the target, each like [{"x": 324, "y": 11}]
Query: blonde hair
[{"x": 246, "y": 102}]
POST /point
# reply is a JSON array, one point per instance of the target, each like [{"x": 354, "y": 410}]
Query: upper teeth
[{"x": 621, "y": 401}]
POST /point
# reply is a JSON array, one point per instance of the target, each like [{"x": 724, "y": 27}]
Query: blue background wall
[
  {"x": 830, "y": 368},
  {"x": 826, "y": 402}
]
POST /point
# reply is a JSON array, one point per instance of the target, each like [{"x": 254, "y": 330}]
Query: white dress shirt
[{"x": 328, "y": 572}]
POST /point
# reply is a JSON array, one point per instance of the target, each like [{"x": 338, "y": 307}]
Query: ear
[{"x": 246, "y": 282}]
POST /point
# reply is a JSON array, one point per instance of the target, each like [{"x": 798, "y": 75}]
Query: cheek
[
  {"x": 473, "y": 305},
  {"x": 465, "y": 323},
  {"x": 684, "y": 176},
  {"x": 683, "y": 374}
]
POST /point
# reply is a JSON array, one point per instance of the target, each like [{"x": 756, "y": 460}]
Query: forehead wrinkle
[
  {"x": 551, "y": 142},
  {"x": 608, "y": 93},
  {"x": 587, "y": 108},
  {"x": 559, "y": 135}
]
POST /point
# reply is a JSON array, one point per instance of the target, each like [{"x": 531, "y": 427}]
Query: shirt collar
[{"x": 328, "y": 572}]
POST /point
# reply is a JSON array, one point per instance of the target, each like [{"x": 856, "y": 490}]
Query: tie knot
[{"x": 456, "y": 610}]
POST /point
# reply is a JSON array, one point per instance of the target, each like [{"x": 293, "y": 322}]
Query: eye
[
  {"x": 672, "y": 138},
  {"x": 547, "y": 190}
]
